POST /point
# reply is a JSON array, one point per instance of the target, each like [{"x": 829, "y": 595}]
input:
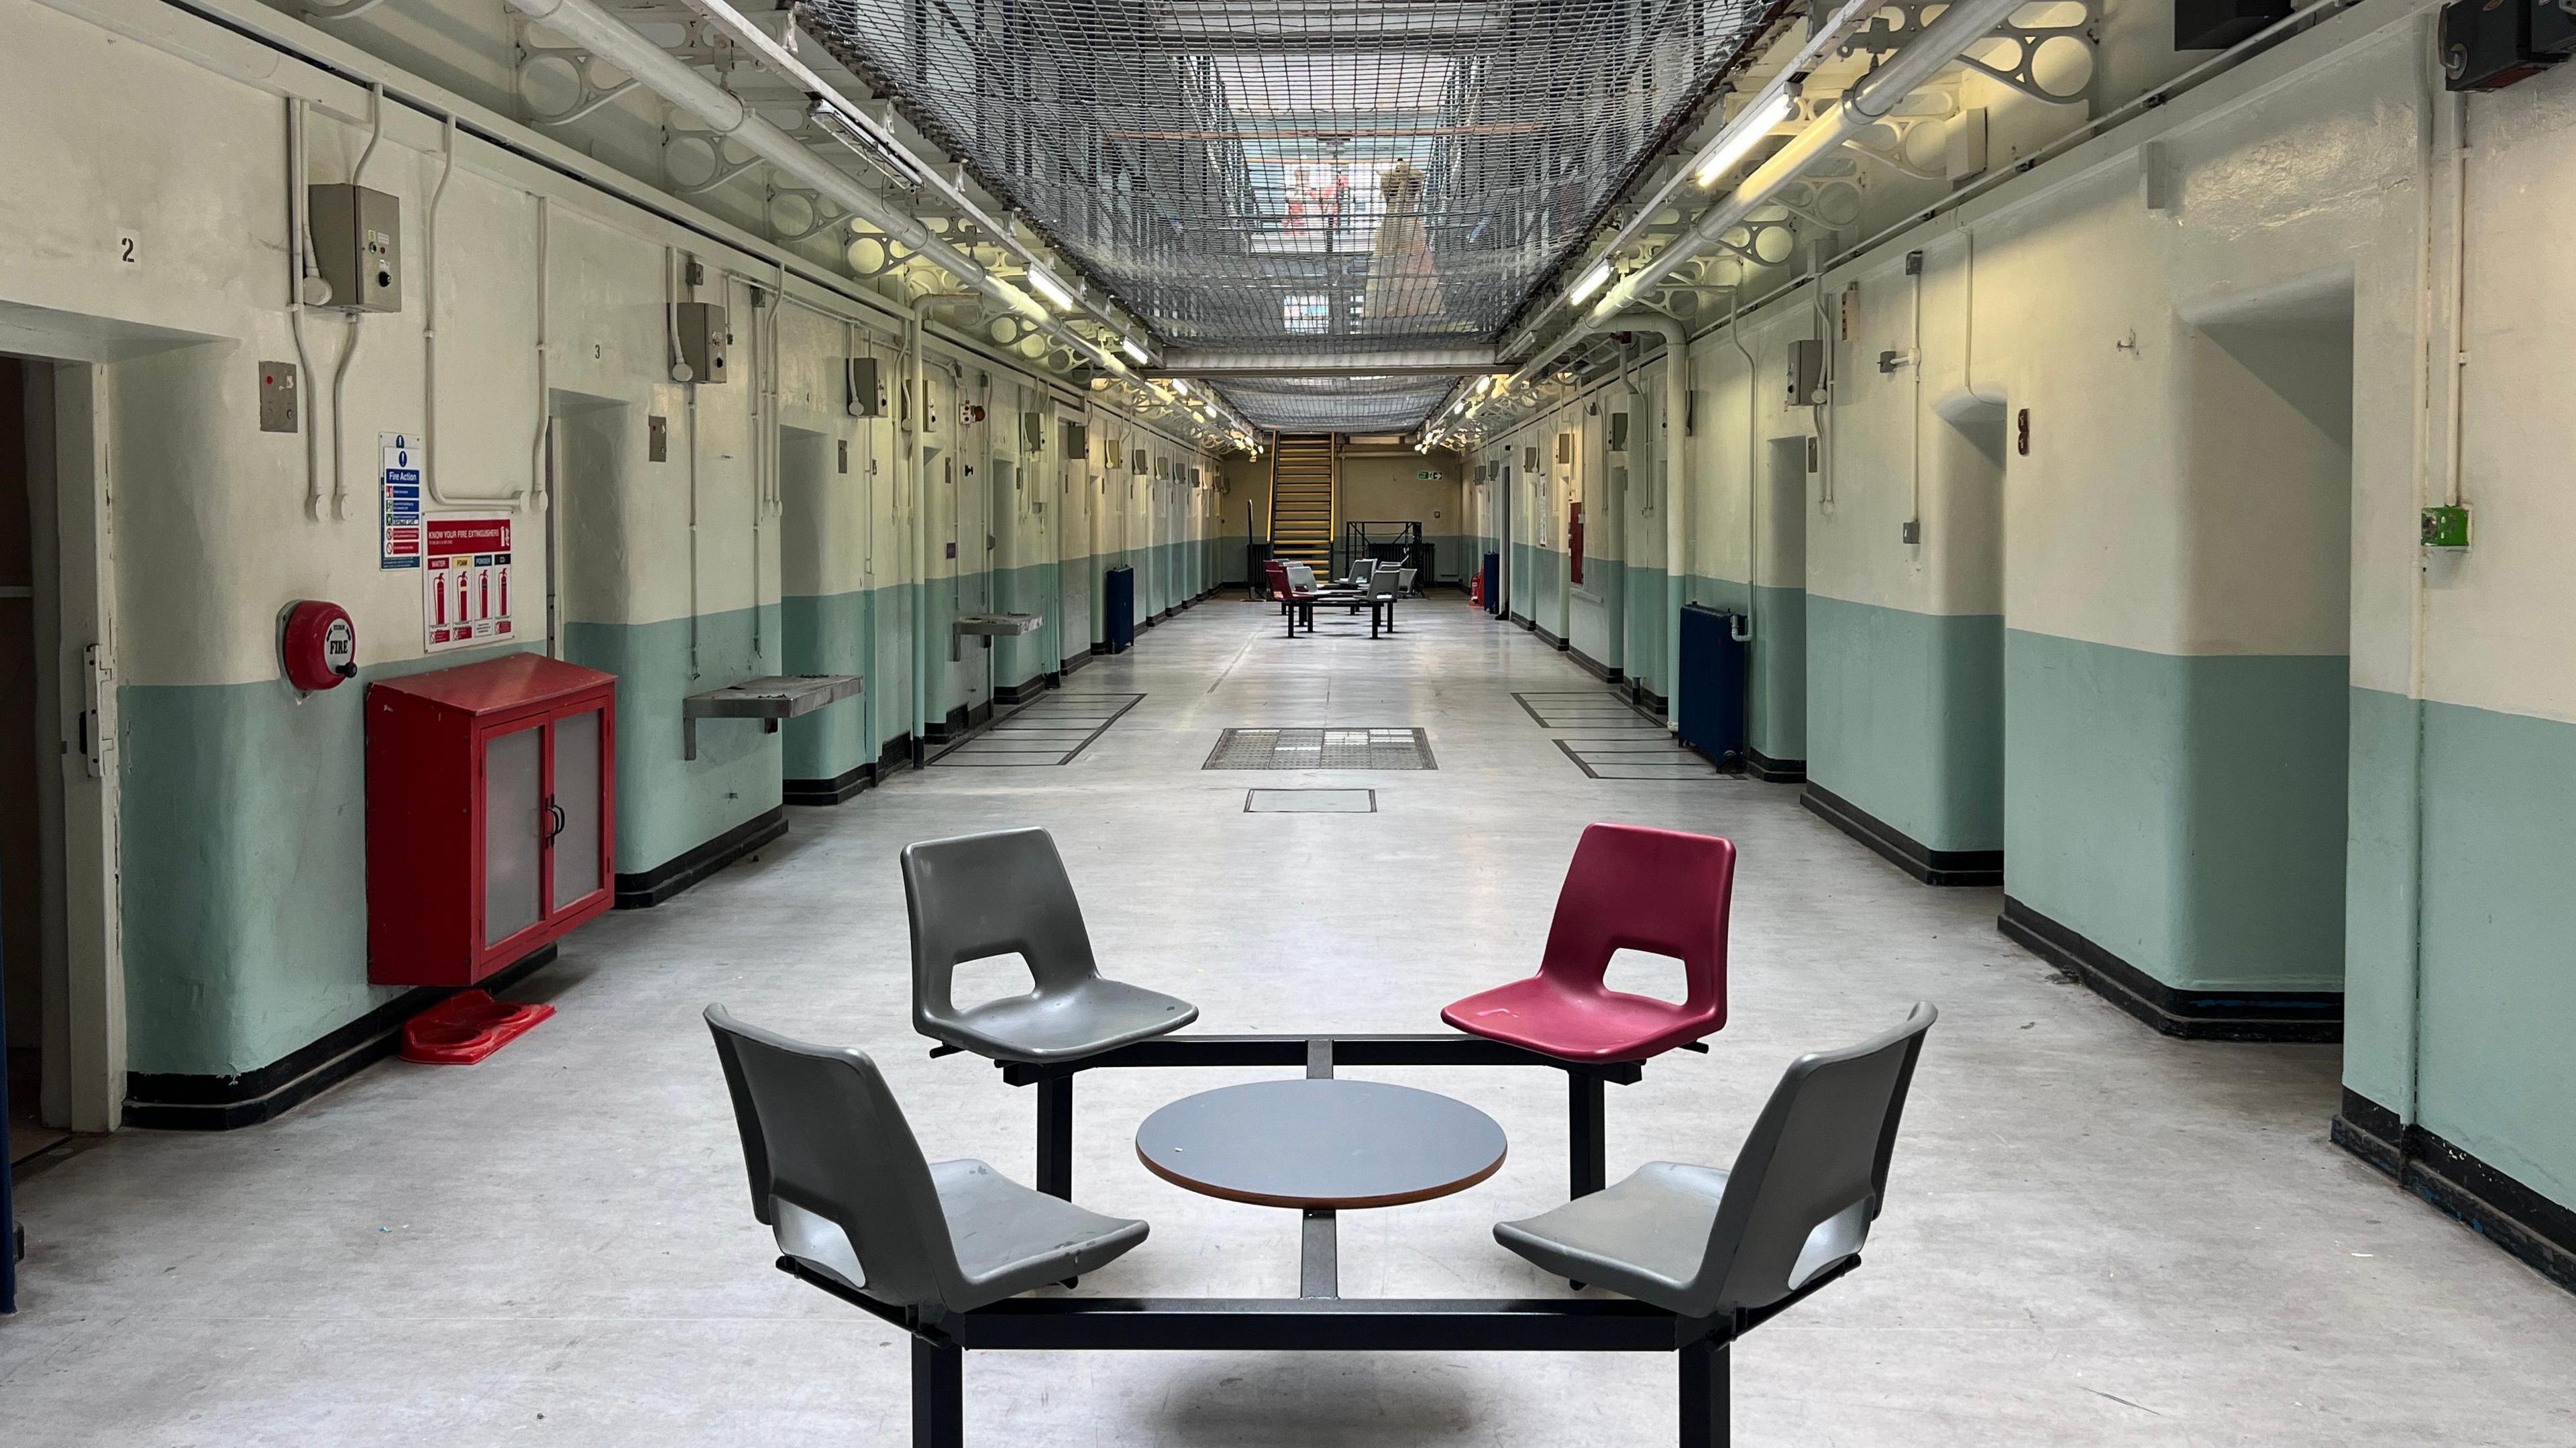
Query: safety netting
[{"x": 1303, "y": 176}]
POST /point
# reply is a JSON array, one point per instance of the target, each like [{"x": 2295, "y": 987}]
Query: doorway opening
[
  {"x": 30, "y": 813},
  {"x": 2270, "y": 461}
]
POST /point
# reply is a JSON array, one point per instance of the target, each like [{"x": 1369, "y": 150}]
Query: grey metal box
[
  {"x": 1806, "y": 372},
  {"x": 1618, "y": 432},
  {"x": 867, "y": 387},
  {"x": 705, "y": 334},
  {"x": 357, "y": 246}
]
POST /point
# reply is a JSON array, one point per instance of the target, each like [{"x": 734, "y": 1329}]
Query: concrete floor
[{"x": 2095, "y": 1235}]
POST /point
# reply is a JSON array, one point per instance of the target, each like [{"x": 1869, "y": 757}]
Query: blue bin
[
  {"x": 1119, "y": 605},
  {"x": 1709, "y": 695}
]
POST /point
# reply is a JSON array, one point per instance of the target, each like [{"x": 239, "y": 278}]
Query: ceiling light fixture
[
  {"x": 1053, "y": 290},
  {"x": 1135, "y": 349},
  {"x": 848, "y": 129},
  {"x": 1739, "y": 137},
  {"x": 1593, "y": 281}
]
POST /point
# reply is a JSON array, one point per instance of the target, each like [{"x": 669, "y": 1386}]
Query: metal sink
[
  {"x": 990, "y": 626},
  {"x": 780, "y": 696}
]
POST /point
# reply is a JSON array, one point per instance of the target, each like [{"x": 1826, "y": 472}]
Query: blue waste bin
[{"x": 1120, "y": 609}]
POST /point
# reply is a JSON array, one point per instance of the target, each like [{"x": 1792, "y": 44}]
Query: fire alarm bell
[{"x": 318, "y": 645}]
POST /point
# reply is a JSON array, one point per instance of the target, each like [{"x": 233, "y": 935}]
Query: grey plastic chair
[
  {"x": 838, "y": 1178},
  {"x": 1404, "y": 581},
  {"x": 978, "y": 896},
  {"x": 1810, "y": 1178}
]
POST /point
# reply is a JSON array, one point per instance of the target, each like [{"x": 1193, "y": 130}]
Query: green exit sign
[{"x": 1429, "y": 475}]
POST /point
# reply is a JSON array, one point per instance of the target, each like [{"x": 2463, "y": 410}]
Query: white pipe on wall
[
  {"x": 299, "y": 250},
  {"x": 357, "y": 321}
]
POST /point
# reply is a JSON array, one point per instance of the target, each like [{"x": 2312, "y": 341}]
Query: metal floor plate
[
  {"x": 1347, "y": 747},
  {"x": 1591, "y": 711},
  {"x": 1310, "y": 801},
  {"x": 1049, "y": 732},
  {"x": 1636, "y": 757}
]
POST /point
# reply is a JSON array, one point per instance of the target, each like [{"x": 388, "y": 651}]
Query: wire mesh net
[
  {"x": 1336, "y": 404},
  {"x": 1300, "y": 175}
]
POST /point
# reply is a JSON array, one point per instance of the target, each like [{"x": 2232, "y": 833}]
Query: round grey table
[{"x": 1323, "y": 1145}]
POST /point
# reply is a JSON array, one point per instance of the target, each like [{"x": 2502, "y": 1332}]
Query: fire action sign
[{"x": 465, "y": 580}]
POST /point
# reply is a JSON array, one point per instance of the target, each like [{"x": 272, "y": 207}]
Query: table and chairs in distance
[{"x": 1698, "y": 1255}]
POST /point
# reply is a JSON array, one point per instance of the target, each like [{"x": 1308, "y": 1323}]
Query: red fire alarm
[{"x": 318, "y": 645}]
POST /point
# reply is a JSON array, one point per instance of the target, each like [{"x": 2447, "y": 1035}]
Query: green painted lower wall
[
  {"x": 667, "y": 805},
  {"x": 244, "y": 868},
  {"x": 2495, "y": 1074},
  {"x": 2380, "y": 899},
  {"x": 1905, "y": 718},
  {"x": 1035, "y": 588},
  {"x": 1644, "y": 601},
  {"x": 2185, "y": 814},
  {"x": 828, "y": 634},
  {"x": 1597, "y": 611}
]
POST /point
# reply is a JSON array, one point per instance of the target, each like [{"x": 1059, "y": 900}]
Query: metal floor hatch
[
  {"x": 1351, "y": 747},
  {"x": 1051, "y": 731}
]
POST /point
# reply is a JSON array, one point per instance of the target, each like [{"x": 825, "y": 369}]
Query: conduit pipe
[
  {"x": 612, "y": 40},
  {"x": 349, "y": 354},
  {"x": 1877, "y": 94},
  {"x": 429, "y": 335},
  {"x": 299, "y": 244},
  {"x": 1676, "y": 411}
]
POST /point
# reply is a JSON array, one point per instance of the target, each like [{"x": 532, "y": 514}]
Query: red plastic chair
[
  {"x": 1629, "y": 888},
  {"x": 1293, "y": 601}
]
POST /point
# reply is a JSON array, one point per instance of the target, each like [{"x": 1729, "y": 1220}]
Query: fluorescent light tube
[
  {"x": 1739, "y": 137},
  {"x": 1593, "y": 281},
  {"x": 1053, "y": 290},
  {"x": 1135, "y": 349}
]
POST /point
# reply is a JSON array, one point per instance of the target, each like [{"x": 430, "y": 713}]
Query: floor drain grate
[
  {"x": 1049, "y": 732},
  {"x": 1586, "y": 710},
  {"x": 1310, "y": 801},
  {"x": 1633, "y": 757},
  {"x": 1337, "y": 748}
]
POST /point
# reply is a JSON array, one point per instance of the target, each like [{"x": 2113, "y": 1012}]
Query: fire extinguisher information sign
[
  {"x": 400, "y": 519},
  {"x": 465, "y": 580}
]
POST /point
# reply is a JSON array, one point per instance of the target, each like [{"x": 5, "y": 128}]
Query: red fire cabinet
[{"x": 491, "y": 815}]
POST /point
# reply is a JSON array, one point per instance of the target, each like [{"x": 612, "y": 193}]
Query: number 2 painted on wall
[{"x": 129, "y": 249}]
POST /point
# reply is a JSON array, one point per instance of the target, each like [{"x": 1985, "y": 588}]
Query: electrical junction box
[
  {"x": 2490, "y": 44},
  {"x": 277, "y": 411},
  {"x": 866, "y": 387},
  {"x": 357, "y": 246},
  {"x": 1565, "y": 448},
  {"x": 2218, "y": 24},
  {"x": 1136, "y": 464},
  {"x": 705, "y": 334},
  {"x": 1618, "y": 432},
  {"x": 1076, "y": 439},
  {"x": 1529, "y": 459},
  {"x": 1806, "y": 375},
  {"x": 1032, "y": 432},
  {"x": 2446, "y": 527}
]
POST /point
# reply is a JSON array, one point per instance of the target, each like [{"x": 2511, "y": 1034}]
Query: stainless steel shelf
[
  {"x": 781, "y": 696},
  {"x": 989, "y": 626}
]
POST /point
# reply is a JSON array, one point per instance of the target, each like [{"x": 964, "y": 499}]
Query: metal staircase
[{"x": 1304, "y": 469}]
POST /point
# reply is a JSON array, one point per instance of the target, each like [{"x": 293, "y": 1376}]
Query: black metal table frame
[{"x": 1319, "y": 1318}]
